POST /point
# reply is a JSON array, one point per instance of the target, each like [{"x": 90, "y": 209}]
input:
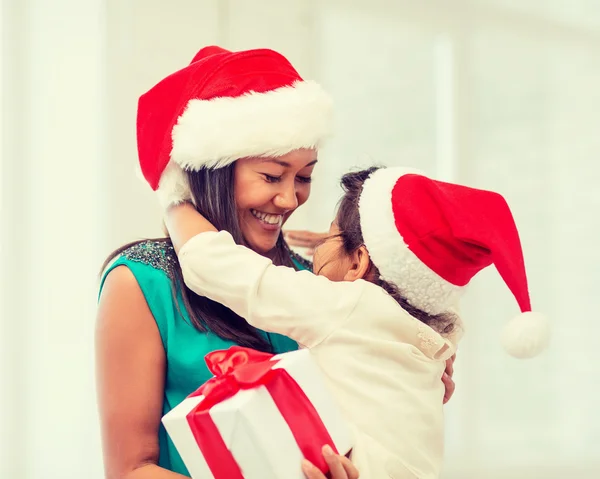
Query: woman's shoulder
[
  {"x": 148, "y": 267},
  {"x": 300, "y": 263},
  {"x": 152, "y": 255},
  {"x": 151, "y": 262}
]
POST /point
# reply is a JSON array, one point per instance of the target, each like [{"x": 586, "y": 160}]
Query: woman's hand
[
  {"x": 304, "y": 239},
  {"x": 447, "y": 379},
  {"x": 340, "y": 467}
]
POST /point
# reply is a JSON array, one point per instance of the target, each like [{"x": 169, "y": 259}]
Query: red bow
[
  {"x": 241, "y": 368},
  {"x": 234, "y": 369}
]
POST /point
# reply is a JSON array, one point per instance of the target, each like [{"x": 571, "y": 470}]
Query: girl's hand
[
  {"x": 340, "y": 467},
  {"x": 447, "y": 379},
  {"x": 304, "y": 239}
]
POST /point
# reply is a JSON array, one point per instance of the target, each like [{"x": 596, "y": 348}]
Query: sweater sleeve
[{"x": 298, "y": 304}]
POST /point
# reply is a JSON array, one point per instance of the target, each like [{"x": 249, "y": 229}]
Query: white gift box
[{"x": 254, "y": 434}]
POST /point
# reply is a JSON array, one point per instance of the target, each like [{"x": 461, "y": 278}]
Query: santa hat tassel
[{"x": 526, "y": 335}]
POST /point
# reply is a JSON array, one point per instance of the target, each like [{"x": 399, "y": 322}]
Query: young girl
[{"x": 376, "y": 313}]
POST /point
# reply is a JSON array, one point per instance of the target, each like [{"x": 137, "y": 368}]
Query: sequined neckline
[
  {"x": 161, "y": 255},
  {"x": 299, "y": 259},
  {"x": 158, "y": 254}
]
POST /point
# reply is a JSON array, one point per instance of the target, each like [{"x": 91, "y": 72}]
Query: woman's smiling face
[{"x": 268, "y": 191}]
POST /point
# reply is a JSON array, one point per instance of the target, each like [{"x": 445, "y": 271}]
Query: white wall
[
  {"x": 53, "y": 122},
  {"x": 496, "y": 93}
]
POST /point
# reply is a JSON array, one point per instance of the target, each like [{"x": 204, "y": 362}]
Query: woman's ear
[{"x": 360, "y": 264}]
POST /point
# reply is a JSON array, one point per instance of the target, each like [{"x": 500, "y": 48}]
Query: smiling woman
[
  {"x": 237, "y": 133},
  {"x": 268, "y": 191}
]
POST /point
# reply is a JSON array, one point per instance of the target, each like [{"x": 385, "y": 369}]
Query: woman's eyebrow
[{"x": 285, "y": 163}]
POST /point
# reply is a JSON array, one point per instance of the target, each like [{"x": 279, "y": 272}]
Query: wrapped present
[{"x": 257, "y": 418}]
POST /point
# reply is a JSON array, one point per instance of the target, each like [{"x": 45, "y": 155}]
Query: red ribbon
[{"x": 241, "y": 368}]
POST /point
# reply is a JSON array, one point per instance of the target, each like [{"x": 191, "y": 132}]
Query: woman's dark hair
[
  {"x": 348, "y": 222},
  {"x": 213, "y": 194}
]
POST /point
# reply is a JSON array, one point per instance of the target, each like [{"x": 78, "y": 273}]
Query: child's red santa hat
[
  {"x": 222, "y": 107},
  {"x": 431, "y": 238}
]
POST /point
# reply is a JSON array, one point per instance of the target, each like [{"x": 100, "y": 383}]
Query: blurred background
[{"x": 501, "y": 94}]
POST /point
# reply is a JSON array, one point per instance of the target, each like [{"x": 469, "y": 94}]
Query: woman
[{"x": 246, "y": 129}]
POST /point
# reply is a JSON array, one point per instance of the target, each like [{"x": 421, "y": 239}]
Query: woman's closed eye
[
  {"x": 272, "y": 179},
  {"x": 277, "y": 179},
  {"x": 304, "y": 179}
]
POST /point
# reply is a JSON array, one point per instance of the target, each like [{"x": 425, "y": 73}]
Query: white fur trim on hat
[
  {"x": 423, "y": 288},
  {"x": 173, "y": 187},
  {"x": 214, "y": 133}
]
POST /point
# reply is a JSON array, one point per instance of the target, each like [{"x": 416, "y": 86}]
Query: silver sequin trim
[
  {"x": 158, "y": 254},
  {"x": 301, "y": 260}
]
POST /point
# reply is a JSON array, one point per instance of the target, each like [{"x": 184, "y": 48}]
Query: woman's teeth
[{"x": 268, "y": 218}]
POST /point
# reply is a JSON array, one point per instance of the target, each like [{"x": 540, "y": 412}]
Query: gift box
[{"x": 257, "y": 418}]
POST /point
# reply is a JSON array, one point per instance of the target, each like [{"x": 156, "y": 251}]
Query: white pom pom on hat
[
  {"x": 430, "y": 238},
  {"x": 526, "y": 335}
]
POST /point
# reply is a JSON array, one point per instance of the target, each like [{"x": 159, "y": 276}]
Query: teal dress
[{"x": 152, "y": 263}]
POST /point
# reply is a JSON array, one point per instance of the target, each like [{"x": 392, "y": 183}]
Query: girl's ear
[{"x": 360, "y": 263}]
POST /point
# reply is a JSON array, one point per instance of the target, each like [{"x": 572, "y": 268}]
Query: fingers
[
  {"x": 450, "y": 366},
  {"x": 450, "y": 387},
  {"x": 447, "y": 379},
  {"x": 340, "y": 467},
  {"x": 303, "y": 239},
  {"x": 311, "y": 471},
  {"x": 299, "y": 243},
  {"x": 336, "y": 468},
  {"x": 350, "y": 469},
  {"x": 302, "y": 234}
]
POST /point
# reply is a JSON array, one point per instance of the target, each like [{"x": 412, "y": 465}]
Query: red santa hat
[
  {"x": 224, "y": 106},
  {"x": 431, "y": 238}
]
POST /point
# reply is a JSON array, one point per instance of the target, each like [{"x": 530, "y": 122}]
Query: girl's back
[{"x": 384, "y": 368}]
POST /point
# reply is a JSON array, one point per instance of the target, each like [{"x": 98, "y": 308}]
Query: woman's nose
[{"x": 287, "y": 199}]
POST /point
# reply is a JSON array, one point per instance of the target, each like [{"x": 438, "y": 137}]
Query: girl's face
[
  {"x": 267, "y": 191},
  {"x": 330, "y": 259}
]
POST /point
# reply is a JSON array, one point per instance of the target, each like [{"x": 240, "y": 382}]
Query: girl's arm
[
  {"x": 184, "y": 222},
  {"x": 297, "y": 304}
]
